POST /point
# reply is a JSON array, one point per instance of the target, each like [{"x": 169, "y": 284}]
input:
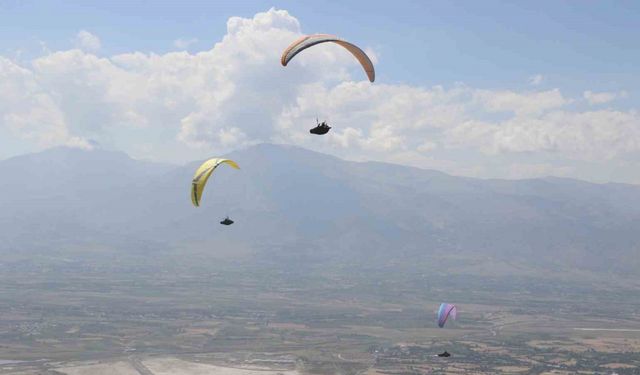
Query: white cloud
[
  {"x": 427, "y": 146},
  {"x": 77, "y": 142},
  {"x": 529, "y": 103},
  {"x": 595, "y": 98},
  {"x": 28, "y": 111},
  {"x": 183, "y": 44},
  {"x": 582, "y": 136},
  {"x": 87, "y": 41},
  {"x": 535, "y": 80},
  {"x": 237, "y": 93}
]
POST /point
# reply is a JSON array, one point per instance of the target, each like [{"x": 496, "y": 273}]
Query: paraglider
[
  {"x": 311, "y": 40},
  {"x": 446, "y": 310},
  {"x": 202, "y": 176},
  {"x": 321, "y": 128},
  {"x": 308, "y": 41},
  {"x": 227, "y": 221}
]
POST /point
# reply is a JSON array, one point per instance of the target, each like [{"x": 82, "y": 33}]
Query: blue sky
[
  {"x": 583, "y": 53},
  {"x": 488, "y": 43}
]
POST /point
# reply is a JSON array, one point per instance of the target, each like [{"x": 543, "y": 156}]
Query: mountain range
[{"x": 291, "y": 203}]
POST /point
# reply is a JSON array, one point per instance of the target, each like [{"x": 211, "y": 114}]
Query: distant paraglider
[
  {"x": 446, "y": 310},
  {"x": 321, "y": 128},
  {"x": 311, "y": 40},
  {"x": 227, "y": 221},
  {"x": 202, "y": 176}
]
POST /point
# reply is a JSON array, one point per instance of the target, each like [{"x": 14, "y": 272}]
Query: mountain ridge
[{"x": 287, "y": 201}]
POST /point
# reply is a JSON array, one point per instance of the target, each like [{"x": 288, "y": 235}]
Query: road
[{"x": 139, "y": 366}]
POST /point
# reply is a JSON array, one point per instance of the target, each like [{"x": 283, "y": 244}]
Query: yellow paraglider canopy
[{"x": 202, "y": 176}]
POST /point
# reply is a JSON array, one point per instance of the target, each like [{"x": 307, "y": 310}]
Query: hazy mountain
[{"x": 290, "y": 203}]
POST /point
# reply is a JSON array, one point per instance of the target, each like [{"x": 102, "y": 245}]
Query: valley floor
[{"x": 190, "y": 318}]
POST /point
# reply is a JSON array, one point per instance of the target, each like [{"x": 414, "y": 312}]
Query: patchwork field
[{"x": 234, "y": 319}]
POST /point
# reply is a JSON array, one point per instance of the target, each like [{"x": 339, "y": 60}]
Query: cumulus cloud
[
  {"x": 530, "y": 103},
  {"x": 237, "y": 94},
  {"x": 584, "y": 136},
  {"x": 26, "y": 109},
  {"x": 595, "y": 98},
  {"x": 535, "y": 80},
  {"x": 182, "y": 43},
  {"x": 87, "y": 41},
  {"x": 81, "y": 143}
]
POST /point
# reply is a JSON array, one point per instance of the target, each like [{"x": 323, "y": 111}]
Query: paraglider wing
[
  {"x": 202, "y": 176},
  {"x": 311, "y": 40},
  {"x": 446, "y": 310}
]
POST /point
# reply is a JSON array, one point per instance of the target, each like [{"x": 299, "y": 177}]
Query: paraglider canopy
[
  {"x": 446, "y": 310},
  {"x": 311, "y": 40},
  {"x": 202, "y": 176}
]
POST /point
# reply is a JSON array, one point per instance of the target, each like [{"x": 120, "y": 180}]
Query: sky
[{"x": 489, "y": 89}]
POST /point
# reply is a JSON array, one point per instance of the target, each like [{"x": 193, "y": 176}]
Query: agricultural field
[{"x": 177, "y": 315}]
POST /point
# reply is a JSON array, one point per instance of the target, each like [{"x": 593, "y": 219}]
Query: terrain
[
  {"x": 73, "y": 316},
  {"x": 332, "y": 267}
]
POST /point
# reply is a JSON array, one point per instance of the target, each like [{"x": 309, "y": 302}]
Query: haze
[{"x": 493, "y": 164}]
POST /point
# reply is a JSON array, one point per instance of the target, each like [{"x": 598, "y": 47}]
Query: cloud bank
[
  {"x": 182, "y": 105},
  {"x": 87, "y": 41}
]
